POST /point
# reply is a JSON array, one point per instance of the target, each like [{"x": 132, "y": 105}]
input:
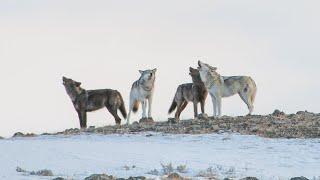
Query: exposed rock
[
  {"x": 277, "y": 125},
  {"x": 20, "y": 134},
  {"x": 44, "y": 172},
  {"x": 250, "y": 178},
  {"x": 107, "y": 177},
  {"x": 304, "y": 113},
  {"x": 134, "y": 127},
  {"x": 100, "y": 177},
  {"x": 45, "y": 134},
  {"x": 278, "y": 113},
  {"x": 137, "y": 178},
  {"x": 299, "y": 178},
  {"x": 172, "y": 121},
  {"x": 20, "y": 170},
  {"x": 146, "y": 121},
  {"x": 154, "y": 172},
  {"x": 72, "y": 131},
  {"x": 175, "y": 176},
  {"x": 59, "y": 178},
  {"x": 203, "y": 116}
]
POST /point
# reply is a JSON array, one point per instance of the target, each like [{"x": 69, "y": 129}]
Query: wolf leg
[
  {"x": 150, "y": 99},
  {"x": 144, "y": 106},
  {"x": 128, "y": 118},
  {"x": 130, "y": 110},
  {"x": 195, "y": 109},
  {"x": 83, "y": 119},
  {"x": 246, "y": 99},
  {"x": 202, "y": 103},
  {"x": 214, "y": 103},
  {"x": 182, "y": 107},
  {"x": 177, "y": 114},
  {"x": 219, "y": 106},
  {"x": 113, "y": 111}
]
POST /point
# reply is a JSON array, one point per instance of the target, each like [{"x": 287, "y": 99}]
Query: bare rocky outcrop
[
  {"x": 174, "y": 176},
  {"x": 100, "y": 177},
  {"x": 107, "y": 177},
  {"x": 59, "y": 178},
  {"x": 303, "y": 124},
  {"x": 20, "y": 134},
  {"x": 299, "y": 178},
  {"x": 250, "y": 178},
  {"x": 276, "y": 125},
  {"x": 44, "y": 172}
]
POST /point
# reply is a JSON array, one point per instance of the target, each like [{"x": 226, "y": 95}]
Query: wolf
[
  {"x": 194, "y": 92},
  {"x": 226, "y": 86},
  {"x": 91, "y": 100},
  {"x": 142, "y": 92}
]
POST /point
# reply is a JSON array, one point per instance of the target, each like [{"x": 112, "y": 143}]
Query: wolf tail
[
  {"x": 135, "y": 106},
  {"x": 122, "y": 107},
  {"x": 253, "y": 96},
  {"x": 173, "y": 106},
  {"x": 254, "y": 89}
]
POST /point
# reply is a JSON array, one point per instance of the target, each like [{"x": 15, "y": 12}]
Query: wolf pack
[{"x": 205, "y": 80}]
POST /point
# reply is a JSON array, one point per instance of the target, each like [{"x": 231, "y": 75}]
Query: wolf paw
[
  {"x": 173, "y": 120},
  {"x": 146, "y": 121},
  {"x": 203, "y": 116}
]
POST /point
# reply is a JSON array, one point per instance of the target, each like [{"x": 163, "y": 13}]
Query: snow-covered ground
[{"x": 228, "y": 154}]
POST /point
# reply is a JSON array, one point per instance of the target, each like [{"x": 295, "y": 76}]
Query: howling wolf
[
  {"x": 141, "y": 92},
  {"x": 222, "y": 86},
  {"x": 91, "y": 100},
  {"x": 191, "y": 92}
]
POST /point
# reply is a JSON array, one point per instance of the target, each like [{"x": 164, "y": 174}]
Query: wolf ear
[
  {"x": 78, "y": 84},
  {"x": 140, "y": 71},
  {"x": 191, "y": 69},
  {"x": 213, "y": 68},
  {"x": 154, "y": 70},
  {"x": 64, "y": 78}
]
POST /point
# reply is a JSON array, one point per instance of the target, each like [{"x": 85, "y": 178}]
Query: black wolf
[{"x": 91, "y": 100}]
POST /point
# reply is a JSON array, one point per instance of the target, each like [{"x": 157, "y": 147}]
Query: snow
[{"x": 229, "y": 154}]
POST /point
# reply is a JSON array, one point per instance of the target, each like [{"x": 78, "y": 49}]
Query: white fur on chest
[{"x": 140, "y": 93}]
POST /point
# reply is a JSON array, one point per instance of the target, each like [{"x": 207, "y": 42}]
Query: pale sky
[{"x": 104, "y": 43}]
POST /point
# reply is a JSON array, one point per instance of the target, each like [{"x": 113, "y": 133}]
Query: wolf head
[
  {"x": 206, "y": 70},
  {"x": 194, "y": 73},
  {"x": 148, "y": 75},
  {"x": 72, "y": 87}
]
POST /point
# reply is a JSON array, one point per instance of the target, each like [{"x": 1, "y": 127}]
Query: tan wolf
[
  {"x": 142, "y": 92},
  {"x": 226, "y": 86},
  {"x": 194, "y": 92}
]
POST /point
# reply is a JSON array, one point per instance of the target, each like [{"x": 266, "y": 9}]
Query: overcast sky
[{"x": 104, "y": 43}]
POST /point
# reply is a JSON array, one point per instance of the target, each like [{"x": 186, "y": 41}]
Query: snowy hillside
[{"x": 135, "y": 155}]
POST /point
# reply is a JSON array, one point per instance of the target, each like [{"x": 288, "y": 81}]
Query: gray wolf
[
  {"x": 91, "y": 100},
  {"x": 194, "y": 92},
  {"x": 142, "y": 92},
  {"x": 226, "y": 86}
]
